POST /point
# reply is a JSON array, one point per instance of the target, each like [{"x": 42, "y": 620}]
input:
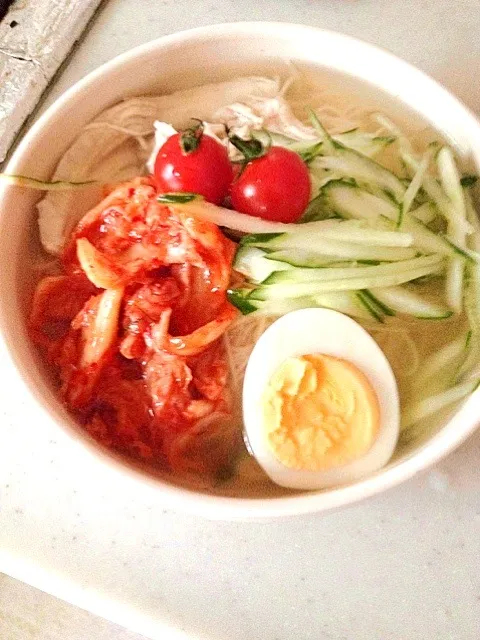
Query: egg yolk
[{"x": 319, "y": 412}]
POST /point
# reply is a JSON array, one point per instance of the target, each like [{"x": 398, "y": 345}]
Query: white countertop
[{"x": 403, "y": 566}]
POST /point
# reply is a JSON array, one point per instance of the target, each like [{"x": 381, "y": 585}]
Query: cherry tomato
[
  {"x": 195, "y": 163},
  {"x": 275, "y": 187}
]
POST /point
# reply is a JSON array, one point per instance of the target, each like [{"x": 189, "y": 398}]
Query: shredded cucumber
[
  {"x": 304, "y": 259},
  {"x": 406, "y": 301},
  {"x": 368, "y": 144},
  {"x": 454, "y": 284},
  {"x": 344, "y": 301},
  {"x": 474, "y": 222},
  {"x": 296, "y": 290},
  {"x": 430, "y": 242},
  {"x": 337, "y": 273},
  {"x": 450, "y": 181},
  {"x": 351, "y": 164},
  {"x": 373, "y": 308},
  {"x": 250, "y": 262},
  {"x": 239, "y": 298},
  {"x": 347, "y": 232},
  {"x": 430, "y": 185},
  {"x": 317, "y": 244},
  {"x": 269, "y": 138},
  {"x": 435, "y": 192},
  {"x": 351, "y": 231},
  {"x": 325, "y": 137},
  {"x": 472, "y": 293},
  {"x": 349, "y": 201},
  {"x": 380, "y": 307},
  {"x": 415, "y": 185},
  {"x": 316, "y": 209},
  {"x": 366, "y": 246},
  {"x": 393, "y": 130},
  {"x": 425, "y": 213},
  {"x": 472, "y": 356}
]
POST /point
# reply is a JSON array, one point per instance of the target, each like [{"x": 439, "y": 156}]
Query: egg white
[{"x": 322, "y": 331}]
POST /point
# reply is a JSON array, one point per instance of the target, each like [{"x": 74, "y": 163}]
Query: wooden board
[
  {"x": 35, "y": 38},
  {"x": 4, "y": 5}
]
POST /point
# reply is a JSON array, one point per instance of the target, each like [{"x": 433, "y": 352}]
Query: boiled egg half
[{"x": 320, "y": 401}]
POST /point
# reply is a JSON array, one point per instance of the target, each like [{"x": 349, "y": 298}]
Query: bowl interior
[{"x": 357, "y": 71}]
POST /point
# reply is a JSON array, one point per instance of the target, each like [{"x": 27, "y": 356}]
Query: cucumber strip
[
  {"x": 430, "y": 185},
  {"x": 304, "y": 259},
  {"x": 403, "y": 300},
  {"x": 350, "y": 201},
  {"x": 367, "y": 303},
  {"x": 382, "y": 308},
  {"x": 250, "y": 262},
  {"x": 346, "y": 302},
  {"x": 351, "y": 231},
  {"x": 307, "y": 149},
  {"x": 450, "y": 180},
  {"x": 430, "y": 242},
  {"x": 351, "y": 164},
  {"x": 415, "y": 185},
  {"x": 472, "y": 357},
  {"x": 472, "y": 294},
  {"x": 454, "y": 284},
  {"x": 428, "y": 406},
  {"x": 269, "y": 138},
  {"x": 473, "y": 268},
  {"x": 435, "y": 192},
  {"x": 337, "y": 273},
  {"x": 303, "y": 146},
  {"x": 239, "y": 299},
  {"x": 343, "y": 301},
  {"x": 323, "y": 134},
  {"x": 319, "y": 180},
  {"x": 338, "y": 250},
  {"x": 43, "y": 185},
  {"x": 393, "y": 130},
  {"x": 311, "y": 152},
  {"x": 474, "y": 222},
  {"x": 425, "y": 213},
  {"x": 316, "y": 209},
  {"x": 297, "y": 290},
  {"x": 368, "y": 144},
  {"x": 344, "y": 231},
  {"x": 437, "y": 362},
  {"x": 275, "y": 307}
]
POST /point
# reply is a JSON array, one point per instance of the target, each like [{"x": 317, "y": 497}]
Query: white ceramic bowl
[{"x": 175, "y": 62}]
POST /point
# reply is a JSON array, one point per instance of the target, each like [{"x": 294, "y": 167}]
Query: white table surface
[{"x": 403, "y": 566}]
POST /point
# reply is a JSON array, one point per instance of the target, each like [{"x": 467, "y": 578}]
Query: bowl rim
[{"x": 236, "y": 508}]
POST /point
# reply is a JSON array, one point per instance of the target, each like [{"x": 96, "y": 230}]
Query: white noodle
[{"x": 138, "y": 136}]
